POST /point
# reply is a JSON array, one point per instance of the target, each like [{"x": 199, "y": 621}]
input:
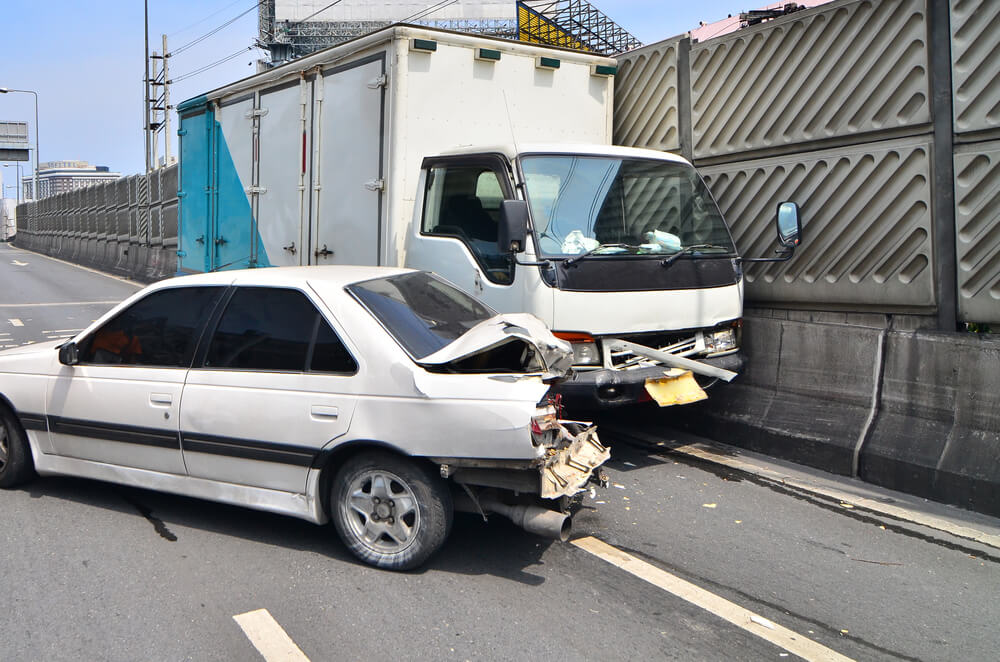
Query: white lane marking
[
  {"x": 93, "y": 271},
  {"x": 705, "y": 452},
  {"x": 59, "y": 303},
  {"x": 15, "y": 322},
  {"x": 18, "y": 263},
  {"x": 753, "y": 623},
  {"x": 63, "y": 331},
  {"x": 268, "y": 637}
]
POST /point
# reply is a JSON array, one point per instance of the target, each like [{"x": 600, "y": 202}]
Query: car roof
[{"x": 338, "y": 276}]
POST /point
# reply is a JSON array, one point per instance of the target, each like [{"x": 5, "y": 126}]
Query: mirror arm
[
  {"x": 544, "y": 263},
  {"x": 784, "y": 255}
]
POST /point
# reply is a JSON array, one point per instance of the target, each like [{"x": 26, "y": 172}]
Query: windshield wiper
[
  {"x": 577, "y": 258},
  {"x": 666, "y": 262}
]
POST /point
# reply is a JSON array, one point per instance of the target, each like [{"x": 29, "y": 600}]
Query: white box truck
[{"x": 489, "y": 162}]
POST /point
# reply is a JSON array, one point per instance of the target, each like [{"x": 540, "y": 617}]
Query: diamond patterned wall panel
[
  {"x": 977, "y": 232},
  {"x": 975, "y": 66},
  {"x": 839, "y": 70},
  {"x": 866, "y": 225},
  {"x": 646, "y": 98}
]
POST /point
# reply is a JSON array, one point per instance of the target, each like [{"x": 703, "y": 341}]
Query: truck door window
[{"x": 463, "y": 201}]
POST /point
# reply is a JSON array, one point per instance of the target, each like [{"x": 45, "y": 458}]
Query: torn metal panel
[
  {"x": 568, "y": 470},
  {"x": 554, "y": 356}
]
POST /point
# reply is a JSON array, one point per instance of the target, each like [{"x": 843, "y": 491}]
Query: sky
[{"x": 85, "y": 61}]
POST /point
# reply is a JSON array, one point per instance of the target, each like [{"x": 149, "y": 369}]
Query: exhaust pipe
[{"x": 535, "y": 519}]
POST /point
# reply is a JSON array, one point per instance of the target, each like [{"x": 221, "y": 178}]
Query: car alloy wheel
[
  {"x": 390, "y": 511},
  {"x": 382, "y": 511}
]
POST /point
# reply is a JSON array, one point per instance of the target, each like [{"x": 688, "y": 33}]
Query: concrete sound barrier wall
[{"x": 123, "y": 227}]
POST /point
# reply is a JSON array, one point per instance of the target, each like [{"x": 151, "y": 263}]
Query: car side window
[
  {"x": 159, "y": 330},
  {"x": 463, "y": 201},
  {"x": 279, "y": 329}
]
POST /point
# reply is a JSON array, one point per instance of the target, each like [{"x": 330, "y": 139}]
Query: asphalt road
[{"x": 94, "y": 571}]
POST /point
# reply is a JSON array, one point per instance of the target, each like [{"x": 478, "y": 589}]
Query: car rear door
[
  {"x": 119, "y": 405},
  {"x": 270, "y": 390}
]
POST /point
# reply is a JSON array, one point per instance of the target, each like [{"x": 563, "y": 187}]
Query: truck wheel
[
  {"x": 16, "y": 466},
  {"x": 390, "y": 512}
]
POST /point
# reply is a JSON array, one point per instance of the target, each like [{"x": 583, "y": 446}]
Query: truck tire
[
  {"x": 16, "y": 465},
  {"x": 390, "y": 512}
]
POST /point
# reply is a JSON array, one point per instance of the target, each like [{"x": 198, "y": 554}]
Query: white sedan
[{"x": 382, "y": 399}]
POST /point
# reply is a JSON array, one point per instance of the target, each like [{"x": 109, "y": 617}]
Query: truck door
[
  {"x": 457, "y": 237},
  {"x": 283, "y": 161},
  {"x": 347, "y": 167}
]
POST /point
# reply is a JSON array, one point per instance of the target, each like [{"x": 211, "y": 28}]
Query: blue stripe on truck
[{"x": 216, "y": 230}]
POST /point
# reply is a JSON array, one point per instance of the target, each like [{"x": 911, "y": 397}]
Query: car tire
[
  {"x": 16, "y": 465},
  {"x": 390, "y": 512}
]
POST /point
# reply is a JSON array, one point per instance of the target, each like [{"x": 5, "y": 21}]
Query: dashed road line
[
  {"x": 268, "y": 637},
  {"x": 794, "y": 643},
  {"x": 15, "y": 322}
]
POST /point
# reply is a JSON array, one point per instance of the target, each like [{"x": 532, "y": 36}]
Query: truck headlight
[
  {"x": 586, "y": 350},
  {"x": 720, "y": 341}
]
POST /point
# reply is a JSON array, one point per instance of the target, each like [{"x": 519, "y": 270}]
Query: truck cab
[{"x": 625, "y": 255}]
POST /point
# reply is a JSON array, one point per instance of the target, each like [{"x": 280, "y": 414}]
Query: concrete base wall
[
  {"x": 117, "y": 254},
  {"x": 909, "y": 409}
]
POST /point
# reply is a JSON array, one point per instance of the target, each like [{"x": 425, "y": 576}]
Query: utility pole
[
  {"x": 166, "y": 102},
  {"x": 145, "y": 59}
]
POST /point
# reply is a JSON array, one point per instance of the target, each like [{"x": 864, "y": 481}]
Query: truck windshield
[
  {"x": 422, "y": 312},
  {"x": 610, "y": 205}
]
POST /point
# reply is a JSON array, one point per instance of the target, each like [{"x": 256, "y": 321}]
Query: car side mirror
[
  {"x": 513, "y": 230},
  {"x": 789, "y": 224},
  {"x": 69, "y": 354}
]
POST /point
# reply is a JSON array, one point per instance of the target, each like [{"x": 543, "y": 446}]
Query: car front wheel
[
  {"x": 16, "y": 466},
  {"x": 390, "y": 512}
]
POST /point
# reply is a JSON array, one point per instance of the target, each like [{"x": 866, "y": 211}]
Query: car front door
[
  {"x": 270, "y": 390},
  {"x": 119, "y": 404}
]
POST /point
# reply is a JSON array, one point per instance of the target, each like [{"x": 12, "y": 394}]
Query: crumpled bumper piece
[{"x": 567, "y": 471}]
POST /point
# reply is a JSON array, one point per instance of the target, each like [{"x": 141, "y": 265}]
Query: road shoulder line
[{"x": 739, "y": 616}]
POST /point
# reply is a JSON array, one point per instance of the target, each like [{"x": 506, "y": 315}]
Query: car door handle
[
  {"x": 323, "y": 411},
  {"x": 160, "y": 399}
]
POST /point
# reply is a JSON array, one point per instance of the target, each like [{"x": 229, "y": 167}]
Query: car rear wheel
[
  {"x": 390, "y": 512},
  {"x": 16, "y": 466}
]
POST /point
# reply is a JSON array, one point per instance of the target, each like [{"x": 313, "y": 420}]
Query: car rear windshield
[{"x": 422, "y": 312}]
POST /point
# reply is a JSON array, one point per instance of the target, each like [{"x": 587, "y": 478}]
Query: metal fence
[
  {"x": 879, "y": 117},
  {"x": 120, "y": 226}
]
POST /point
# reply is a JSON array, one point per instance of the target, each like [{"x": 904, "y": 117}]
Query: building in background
[
  {"x": 289, "y": 29},
  {"x": 61, "y": 176}
]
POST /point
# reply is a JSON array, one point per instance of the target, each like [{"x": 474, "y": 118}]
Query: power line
[
  {"x": 318, "y": 11},
  {"x": 178, "y": 51},
  {"x": 215, "y": 13},
  {"x": 423, "y": 13},
  {"x": 211, "y": 65}
]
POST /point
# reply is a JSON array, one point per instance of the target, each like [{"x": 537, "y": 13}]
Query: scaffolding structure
[{"x": 568, "y": 23}]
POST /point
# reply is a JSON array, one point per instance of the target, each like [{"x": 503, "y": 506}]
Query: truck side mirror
[
  {"x": 513, "y": 230},
  {"x": 69, "y": 354},
  {"x": 789, "y": 225}
]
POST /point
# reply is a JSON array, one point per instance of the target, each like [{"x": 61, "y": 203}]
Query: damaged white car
[{"x": 383, "y": 399}]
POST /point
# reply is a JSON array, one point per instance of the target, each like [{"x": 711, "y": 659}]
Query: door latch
[
  {"x": 200, "y": 240},
  {"x": 324, "y": 252},
  {"x": 220, "y": 241},
  {"x": 375, "y": 185},
  {"x": 290, "y": 249}
]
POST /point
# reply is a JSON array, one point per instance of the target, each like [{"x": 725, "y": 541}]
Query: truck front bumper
[{"x": 594, "y": 390}]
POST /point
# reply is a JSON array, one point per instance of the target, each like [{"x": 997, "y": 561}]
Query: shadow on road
[{"x": 497, "y": 548}]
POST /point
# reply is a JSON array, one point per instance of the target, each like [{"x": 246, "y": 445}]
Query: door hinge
[
  {"x": 376, "y": 83},
  {"x": 256, "y": 112},
  {"x": 255, "y": 189},
  {"x": 375, "y": 185}
]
